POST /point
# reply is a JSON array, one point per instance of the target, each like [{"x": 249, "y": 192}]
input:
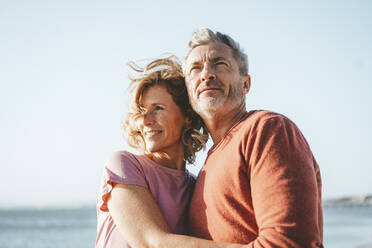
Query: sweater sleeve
[{"x": 286, "y": 186}]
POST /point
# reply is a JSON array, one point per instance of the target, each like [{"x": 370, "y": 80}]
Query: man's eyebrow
[
  {"x": 216, "y": 59},
  {"x": 213, "y": 60},
  {"x": 195, "y": 62}
]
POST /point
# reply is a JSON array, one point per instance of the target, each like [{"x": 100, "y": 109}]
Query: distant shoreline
[
  {"x": 51, "y": 208},
  {"x": 348, "y": 201},
  {"x": 363, "y": 200}
]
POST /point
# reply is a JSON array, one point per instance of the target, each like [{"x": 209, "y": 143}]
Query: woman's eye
[{"x": 158, "y": 108}]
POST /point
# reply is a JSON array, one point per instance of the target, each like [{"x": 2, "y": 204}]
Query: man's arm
[
  {"x": 285, "y": 184},
  {"x": 138, "y": 217}
]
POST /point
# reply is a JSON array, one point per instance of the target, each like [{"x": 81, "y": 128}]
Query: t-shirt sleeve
[
  {"x": 285, "y": 184},
  {"x": 120, "y": 167}
]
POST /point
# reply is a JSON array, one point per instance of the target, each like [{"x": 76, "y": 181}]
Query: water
[
  {"x": 348, "y": 227},
  {"x": 73, "y": 228},
  {"x": 344, "y": 227}
]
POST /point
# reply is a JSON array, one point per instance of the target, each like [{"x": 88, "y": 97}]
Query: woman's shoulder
[
  {"x": 123, "y": 159},
  {"x": 121, "y": 154}
]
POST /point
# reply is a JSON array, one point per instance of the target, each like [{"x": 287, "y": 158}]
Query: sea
[{"x": 344, "y": 227}]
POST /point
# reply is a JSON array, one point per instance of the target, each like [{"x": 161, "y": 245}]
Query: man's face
[{"x": 213, "y": 79}]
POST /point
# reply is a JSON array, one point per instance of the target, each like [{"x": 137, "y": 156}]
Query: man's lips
[{"x": 208, "y": 88}]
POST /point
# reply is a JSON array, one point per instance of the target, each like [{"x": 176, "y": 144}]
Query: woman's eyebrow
[{"x": 157, "y": 103}]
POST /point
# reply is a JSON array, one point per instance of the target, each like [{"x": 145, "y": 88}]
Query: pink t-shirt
[{"x": 171, "y": 189}]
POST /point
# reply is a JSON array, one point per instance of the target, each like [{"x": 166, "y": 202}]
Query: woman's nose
[{"x": 148, "y": 119}]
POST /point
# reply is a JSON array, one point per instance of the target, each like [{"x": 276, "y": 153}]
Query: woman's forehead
[{"x": 155, "y": 94}]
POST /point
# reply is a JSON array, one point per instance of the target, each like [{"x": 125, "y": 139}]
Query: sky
[{"x": 63, "y": 81}]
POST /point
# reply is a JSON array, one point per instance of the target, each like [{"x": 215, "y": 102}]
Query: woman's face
[{"x": 163, "y": 121}]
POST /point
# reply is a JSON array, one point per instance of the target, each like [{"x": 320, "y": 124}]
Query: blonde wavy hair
[{"x": 165, "y": 72}]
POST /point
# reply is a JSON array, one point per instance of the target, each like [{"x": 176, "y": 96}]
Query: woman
[{"x": 144, "y": 198}]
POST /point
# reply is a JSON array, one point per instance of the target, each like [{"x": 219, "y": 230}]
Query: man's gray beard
[
  {"x": 208, "y": 105},
  {"x": 211, "y": 105}
]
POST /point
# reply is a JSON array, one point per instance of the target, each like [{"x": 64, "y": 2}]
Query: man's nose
[{"x": 207, "y": 74}]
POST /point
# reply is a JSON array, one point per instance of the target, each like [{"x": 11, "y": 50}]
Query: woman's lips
[{"x": 152, "y": 133}]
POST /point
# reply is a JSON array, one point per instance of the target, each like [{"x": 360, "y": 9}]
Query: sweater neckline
[{"x": 215, "y": 146}]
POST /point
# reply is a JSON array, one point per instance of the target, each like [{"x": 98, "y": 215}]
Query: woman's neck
[{"x": 174, "y": 162}]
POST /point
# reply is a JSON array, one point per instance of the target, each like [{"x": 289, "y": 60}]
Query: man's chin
[{"x": 208, "y": 104}]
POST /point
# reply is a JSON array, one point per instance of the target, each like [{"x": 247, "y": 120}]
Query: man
[{"x": 260, "y": 184}]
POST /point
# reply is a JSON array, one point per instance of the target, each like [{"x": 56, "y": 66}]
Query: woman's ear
[{"x": 188, "y": 121}]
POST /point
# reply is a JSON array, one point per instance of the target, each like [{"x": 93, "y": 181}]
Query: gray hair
[{"x": 203, "y": 36}]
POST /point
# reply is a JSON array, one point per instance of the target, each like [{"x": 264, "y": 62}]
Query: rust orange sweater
[{"x": 260, "y": 186}]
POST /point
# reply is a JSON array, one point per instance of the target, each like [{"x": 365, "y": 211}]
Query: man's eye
[
  {"x": 221, "y": 63},
  {"x": 193, "y": 68}
]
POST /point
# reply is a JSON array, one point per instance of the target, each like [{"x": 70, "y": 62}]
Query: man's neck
[{"x": 219, "y": 124}]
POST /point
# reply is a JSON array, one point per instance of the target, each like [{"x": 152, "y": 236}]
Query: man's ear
[{"x": 246, "y": 83}]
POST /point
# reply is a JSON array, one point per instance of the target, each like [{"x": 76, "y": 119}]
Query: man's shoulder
[
  {"x": 260, "y": 121},
  {"x": 257, "y": 116}
]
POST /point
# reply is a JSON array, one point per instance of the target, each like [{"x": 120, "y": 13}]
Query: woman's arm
[{"x": 139, "y": 218}]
